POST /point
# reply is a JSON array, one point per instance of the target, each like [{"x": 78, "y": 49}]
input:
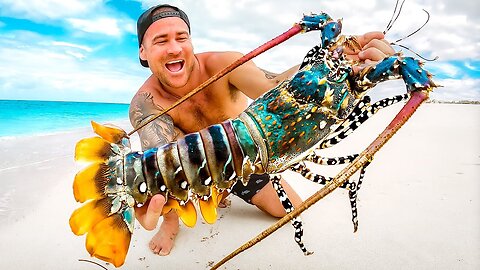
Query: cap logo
[{"x": 166, "y": 14}]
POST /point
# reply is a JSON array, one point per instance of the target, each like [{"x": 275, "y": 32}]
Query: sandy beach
[{"x": 419, "y": 206}]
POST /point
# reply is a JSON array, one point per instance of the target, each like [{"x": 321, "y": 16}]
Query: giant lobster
[{"x": 320, "y": 105}]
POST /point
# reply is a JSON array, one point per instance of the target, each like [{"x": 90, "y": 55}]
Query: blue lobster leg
[
  {"x": 395, "y": 67},
  {"x": 359, "y": 115},
  {"x": 288, "y": 206}
]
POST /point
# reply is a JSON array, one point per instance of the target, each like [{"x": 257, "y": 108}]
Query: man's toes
[
  {"x": 163, "y": 252},
  {"x": 154, "y": 247},
  {"x": 225, "y": 203}
]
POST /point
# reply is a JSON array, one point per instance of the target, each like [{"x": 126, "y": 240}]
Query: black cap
[{"x": 146, "y": 19}]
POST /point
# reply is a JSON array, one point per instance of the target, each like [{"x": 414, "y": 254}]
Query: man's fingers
[
  {"x": 367, "y": 37},
  {"x": 372, "y": 54},
  {"x": 381, "y": 45},
  {"x": 149, "y": 214}
]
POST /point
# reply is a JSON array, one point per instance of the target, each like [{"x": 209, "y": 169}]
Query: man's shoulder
[
  {"x": 148, "y": 87},
  {"x": 219, "y": 55},
  {"x": 215, "y": 61}
]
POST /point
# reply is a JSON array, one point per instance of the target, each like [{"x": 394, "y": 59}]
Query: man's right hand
[{"x": 149, "y": 214}]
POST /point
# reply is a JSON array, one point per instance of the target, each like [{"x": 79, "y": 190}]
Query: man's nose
[{"x": 174, "y": 48}]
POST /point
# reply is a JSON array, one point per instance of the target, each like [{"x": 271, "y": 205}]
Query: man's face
[{"x": 168, "y": 49}]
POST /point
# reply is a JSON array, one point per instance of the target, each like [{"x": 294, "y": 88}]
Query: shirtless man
[{"x": 165, "y": 46}]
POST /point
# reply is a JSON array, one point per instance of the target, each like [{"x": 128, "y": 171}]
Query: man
[{"x": 166, "y": 48}]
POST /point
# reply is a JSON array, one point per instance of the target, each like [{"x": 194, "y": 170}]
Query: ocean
[{"x": 32, "y": 117}]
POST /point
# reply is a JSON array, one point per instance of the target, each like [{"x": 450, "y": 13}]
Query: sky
[{"x": 87, "y": 50}]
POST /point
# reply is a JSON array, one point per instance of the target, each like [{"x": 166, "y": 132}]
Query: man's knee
[{"x": 267, "y": 201}]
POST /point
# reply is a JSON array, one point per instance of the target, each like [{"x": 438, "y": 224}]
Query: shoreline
[
  {"x": 418, "y": 206},
  {"x": 124, "y": 123}
]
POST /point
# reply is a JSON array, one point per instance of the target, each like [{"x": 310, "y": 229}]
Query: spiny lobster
[{"x": 320, "y": 105}]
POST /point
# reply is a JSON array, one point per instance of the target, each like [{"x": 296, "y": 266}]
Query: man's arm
[
  {"x": 254, "y": 81},
  {"x": 156, "y": 133},
  {"x": 247, "y": 78},
  {"x": 278, "y": 78}
]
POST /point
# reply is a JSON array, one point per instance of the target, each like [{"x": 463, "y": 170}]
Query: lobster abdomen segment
[{"x": 216, "y": 156}]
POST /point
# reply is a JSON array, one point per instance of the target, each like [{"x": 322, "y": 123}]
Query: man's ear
[{"x": 141, "y": 53}]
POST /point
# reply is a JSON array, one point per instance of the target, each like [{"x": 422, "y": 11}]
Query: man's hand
[
  {"x": 374, "y": 48},
  {"x": 149, "y": 214}
]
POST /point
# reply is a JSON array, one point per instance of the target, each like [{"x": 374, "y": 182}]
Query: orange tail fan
[{"x": 107, "y": 215}]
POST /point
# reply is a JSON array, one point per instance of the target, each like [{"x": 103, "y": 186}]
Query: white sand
[{"x": 419, "y": 207}]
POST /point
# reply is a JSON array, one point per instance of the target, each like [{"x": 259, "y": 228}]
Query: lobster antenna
[
  {"x": 83, "y": 260},
  {"x": 411, "y": 34},
  {"x": 405, "y": 47},
  {"x": 414, "y": 32},
  {"x": 393, "y": 20}
]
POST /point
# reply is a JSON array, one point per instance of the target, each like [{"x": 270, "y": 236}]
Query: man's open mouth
[{"x": 175, "y": 66}]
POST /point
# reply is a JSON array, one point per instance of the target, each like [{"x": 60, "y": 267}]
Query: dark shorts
[{"x": 257, "y": 182}]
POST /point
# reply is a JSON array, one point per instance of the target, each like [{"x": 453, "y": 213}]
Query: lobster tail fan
[
  {"x": 110, "y": 133},
  {"x": 88, "y": 215},
  {"x": 90, "y": 182},
  {"x": 107, "y": 217},
  {"x": 108, "y": 234},
  {"x": 93, "y": 149},
  {"x": 109, "y": 240}
]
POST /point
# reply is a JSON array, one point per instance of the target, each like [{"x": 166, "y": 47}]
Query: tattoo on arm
[
  {"x": 156, "y": 133},
  {"x": 270, "y": 75}
]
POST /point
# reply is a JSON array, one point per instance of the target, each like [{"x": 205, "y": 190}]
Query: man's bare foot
[
  {"x": 162, "y": 242},
  {"x": 224, "y": 203}
]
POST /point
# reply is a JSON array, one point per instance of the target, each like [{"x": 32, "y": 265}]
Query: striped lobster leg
[
  {"x": 362, "y": 112},
  {"x": 288, "y": 206},
  {"x": 352, "y": 186},
  {"x": 359, "y": 115}
]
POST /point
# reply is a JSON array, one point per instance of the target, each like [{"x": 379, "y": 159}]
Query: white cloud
[
  {"x": 71, "y": 45},
  {"x": 107, "y": 26},
  {"x": 448, "y": 69},
  {"x": 90, "y": 16},
  {"x": 442, "y": 36},
  {"x": 39, "y": 10},
  {"x": 457, "y": 89},
  {"x": 470, "y": 66},
  {"x": 40, "y": 71},
  {"x": 65, "y": 70}
]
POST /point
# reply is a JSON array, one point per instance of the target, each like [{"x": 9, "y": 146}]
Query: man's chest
[{"x": 195, "y": 114}]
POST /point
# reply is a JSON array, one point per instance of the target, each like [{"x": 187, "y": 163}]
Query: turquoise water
[{"x": 28, "y": 117}]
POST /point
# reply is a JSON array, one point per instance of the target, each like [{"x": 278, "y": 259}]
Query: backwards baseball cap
[{"x": 150, "y": 16}]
